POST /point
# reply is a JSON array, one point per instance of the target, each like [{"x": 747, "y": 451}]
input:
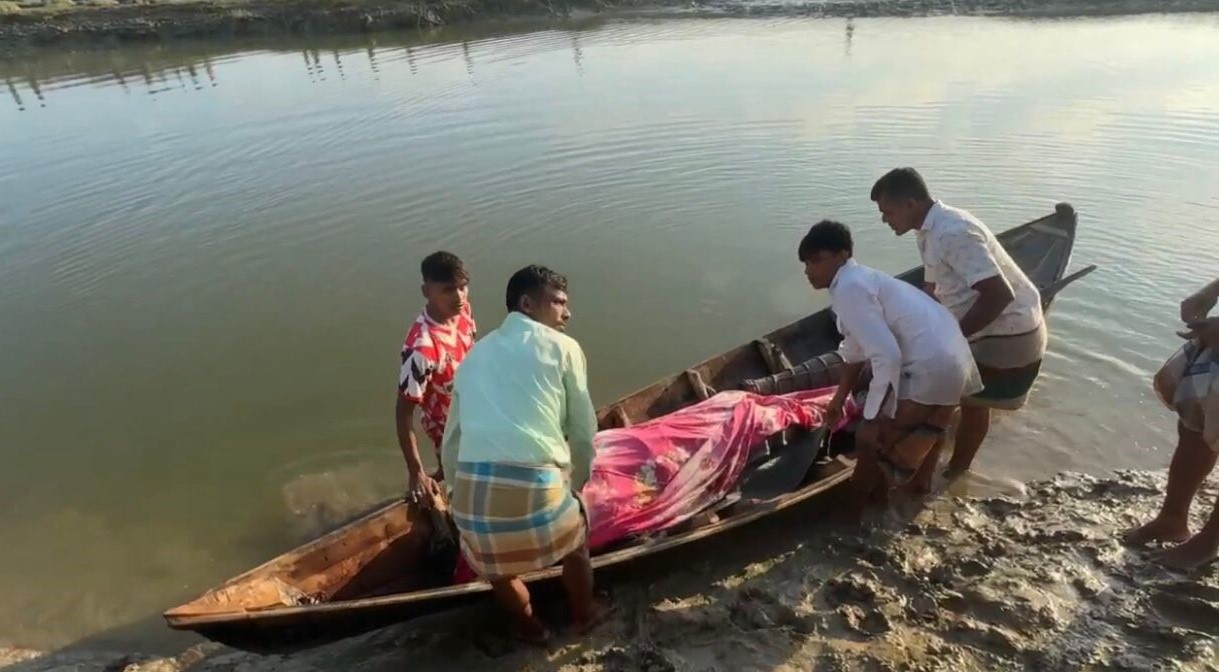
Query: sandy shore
[
  {"x": 1038, "y": 582},
  {"x": 26, "y": 24}
]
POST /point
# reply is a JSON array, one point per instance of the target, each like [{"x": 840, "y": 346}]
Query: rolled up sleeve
[{"x": 967, "y": 253}]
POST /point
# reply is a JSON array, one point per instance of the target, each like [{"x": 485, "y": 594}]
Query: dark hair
[
  {"x": 826, "y": 236},
  {"x": 443, "y": 267},
  {"x": 531, "y": 280},
  {"x": 901, "y": 183}
]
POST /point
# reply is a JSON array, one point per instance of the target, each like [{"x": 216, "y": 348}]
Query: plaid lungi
[
  {"x": 515, "y": 518},
  {"x": 1188, "y": 383}
]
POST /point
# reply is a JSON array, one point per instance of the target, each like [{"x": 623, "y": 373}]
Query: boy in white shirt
[{"x": 920, "y": 361}]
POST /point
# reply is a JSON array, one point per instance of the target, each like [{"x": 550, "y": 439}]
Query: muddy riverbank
[
  {"x": 98, "y": 23},
  {"x": 1002, "y": 583}
]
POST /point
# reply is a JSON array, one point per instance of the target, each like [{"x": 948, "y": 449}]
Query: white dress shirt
[
  {"x": 958, "y": 252},
  {"x": 915, "y": 345}
]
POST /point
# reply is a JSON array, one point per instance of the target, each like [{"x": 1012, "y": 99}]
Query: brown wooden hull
[{"x": 365, "y": 574}]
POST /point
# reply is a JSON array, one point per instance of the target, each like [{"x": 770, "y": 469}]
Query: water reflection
[
  {"x": 338, "y": 64},
  {"x": 12, "y": 89},
  {"x": 576, "y": 53},
  {"x": 372, "y": 60},
  {"x": 48, "y": 72}
]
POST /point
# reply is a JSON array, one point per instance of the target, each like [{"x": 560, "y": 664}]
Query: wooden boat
[{"x": 375, "y": 570}]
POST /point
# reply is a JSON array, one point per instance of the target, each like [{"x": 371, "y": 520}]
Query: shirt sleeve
[
  {"x": 580, "y": 423},
  {"x": 849, "y": 348},
  {"x": 413, "y": 377},
  {"x": 864, "y": 322},
  {"x": 451, "y": 445},
  {"x": 968, "y": 254}
]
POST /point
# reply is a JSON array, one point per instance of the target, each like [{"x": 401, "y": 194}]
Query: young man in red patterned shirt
[{"x": 434, "y": 347}]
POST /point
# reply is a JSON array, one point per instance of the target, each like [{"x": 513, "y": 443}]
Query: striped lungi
[
  {"x": 1009, "y": 365},
  {"x": 515, "y": 518}
]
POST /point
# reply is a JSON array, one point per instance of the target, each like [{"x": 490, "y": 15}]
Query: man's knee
[{"x": 974, "y": 412}]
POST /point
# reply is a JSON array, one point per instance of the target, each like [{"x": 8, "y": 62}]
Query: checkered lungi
[
  {"x": 515, "y": 518},
  {"x": 1188, "y": 383}
]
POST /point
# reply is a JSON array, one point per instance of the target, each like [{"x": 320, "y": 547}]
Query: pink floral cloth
[
  {"x": 657, "y": 474},
  {"x": 649, "y": 477}
]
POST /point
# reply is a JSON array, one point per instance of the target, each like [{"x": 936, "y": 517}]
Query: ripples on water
[{"x": 208, "y": 258}]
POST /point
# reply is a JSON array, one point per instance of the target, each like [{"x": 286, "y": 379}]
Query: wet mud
[{"x": 1039, "y": 581}]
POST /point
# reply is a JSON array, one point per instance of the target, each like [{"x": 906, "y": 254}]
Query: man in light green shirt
[
  {"x": 524, "y": 398},
  {"x": 519, "y": 445}
]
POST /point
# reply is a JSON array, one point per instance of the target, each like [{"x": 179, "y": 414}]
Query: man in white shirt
[
  {"x": 921, "y": 364},
  {"x": 997, "y": 306}
]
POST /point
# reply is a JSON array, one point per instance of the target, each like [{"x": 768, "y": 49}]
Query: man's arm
[
  {"x": 869, "y": 334},
  {"x": 404, "y": 421},
  {"x": 967, "y": 253},
  {"x": 412, "y": 383},
  {"x": 581, "y": 421},
  {"x": 420, "y": 486},
  {"x": 1199, "y": 304},
  {"x": 848, "y": 377},
  {"x": 994, "y": 295}
]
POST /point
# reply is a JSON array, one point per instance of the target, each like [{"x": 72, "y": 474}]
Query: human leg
[
  {"x": 971, "y": 432},
  {"x": 1200, "y": 549},
  {"x": 1192, "y": 461},
  {"x": 909, "y": 441},
  {"x": 867, "y": 476},
  {"x": 513, "y": 597}
]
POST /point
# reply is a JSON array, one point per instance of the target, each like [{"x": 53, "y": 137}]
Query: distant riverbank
[{"x": 97, "y": 23}]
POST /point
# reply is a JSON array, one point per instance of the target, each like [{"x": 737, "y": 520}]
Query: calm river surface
[{"x": 209, "y": 254}]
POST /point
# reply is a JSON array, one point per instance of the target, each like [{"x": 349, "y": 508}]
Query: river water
[{"x": 209, "y": 253}]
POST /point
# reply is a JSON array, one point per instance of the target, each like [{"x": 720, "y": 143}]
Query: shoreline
[
  {"x": 1039, "y": 581},
  {"x": 106, "y": 24}
]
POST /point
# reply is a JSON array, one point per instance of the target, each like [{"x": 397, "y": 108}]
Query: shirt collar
[
  {"x": 933, "y": 216},
  {"x": 428, "y": 319},
  {"x": 516, "y": 320},
  {"x": 433, "y": 322},
  {"x": 841, "y": 271}
]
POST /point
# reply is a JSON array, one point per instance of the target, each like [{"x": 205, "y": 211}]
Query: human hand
[
  {"x": 833, "y": 412},
  {"x": 1205, "y": 331},
  {"x": 422, "y": 489},
  {"x": 1196, "y": 307}
]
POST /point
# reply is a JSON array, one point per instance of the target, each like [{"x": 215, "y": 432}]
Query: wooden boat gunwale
[
  {"x": 609, "y": 415},
  {"x": 611, "y": 558}
]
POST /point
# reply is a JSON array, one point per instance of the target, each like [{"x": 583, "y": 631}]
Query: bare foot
[
  {"x": 916, "y": 488},
  {"x": 850, "y": 516},
  {"x": 602, "y": 609},
  {"x": 530, "y": 631},
  {"x": 952, "y": 473},
  {"x": 1159, "y": 529},
  {"x": 1194, "y": 553}
]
